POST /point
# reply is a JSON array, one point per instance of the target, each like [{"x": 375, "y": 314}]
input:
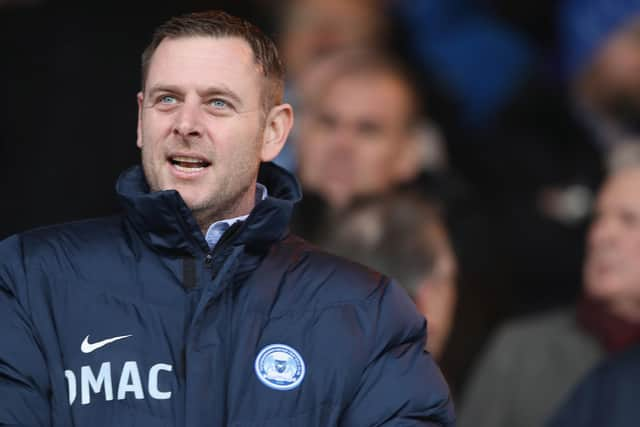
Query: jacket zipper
[{"x": 222, "y": 243}]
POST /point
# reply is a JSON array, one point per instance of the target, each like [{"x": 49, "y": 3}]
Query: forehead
[
  {"x": 621, "y": 190},
  {"x": 204, "y": 61},
  {"x": 378, "y": 95}
]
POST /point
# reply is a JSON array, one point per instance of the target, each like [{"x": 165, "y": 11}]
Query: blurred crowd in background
[{"x": 484, "y": 153}]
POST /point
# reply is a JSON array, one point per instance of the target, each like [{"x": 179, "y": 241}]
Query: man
[
  {"x": 196, "y": 307},
  {"x": 310, "y": 30},
  {"x": 404, "y": 237},
  {"x": 542, "y": 160},
  {"x": 361, "y": 134},
  {"x": 532, "y": 364},
  {"x": 360, "y": 131}
]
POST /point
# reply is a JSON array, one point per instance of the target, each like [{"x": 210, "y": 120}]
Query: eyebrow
[{"x": 222, "y": 90}]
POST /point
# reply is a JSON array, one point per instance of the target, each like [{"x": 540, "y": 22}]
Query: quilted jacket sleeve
[
  {"x": 401, "y": 386},
  {"x": 23, "y": 375}
]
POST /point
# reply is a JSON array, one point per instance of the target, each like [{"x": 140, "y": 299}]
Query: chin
[
  {"x": 193, "y": 203},
  {"x": 187, "y": 196},
  {"x": 605, "y": 289}
]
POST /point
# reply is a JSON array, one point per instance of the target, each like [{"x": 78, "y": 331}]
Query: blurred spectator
[
  {"x": 607, "y": 397},
  {"x": 541, "y": 162},
  {"x": 531, "y": 364},
  {"x": 311, "y": 30},
  {"x": 359, "y": 134},
  {"x": 404, "y": 237}
]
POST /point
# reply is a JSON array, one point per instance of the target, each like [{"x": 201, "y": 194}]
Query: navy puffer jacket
[{"x": 132, "y": 321}]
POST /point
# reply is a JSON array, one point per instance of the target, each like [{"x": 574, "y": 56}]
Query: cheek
[
  {"x": 620, "y": 74},
  {"x": 373, "y": 159},
  {"x": 629, "y": 251},
  {"x": 156, "y": 125},
  {"x": 634, "y": 242},
  {"x": 385, "y": 150},
  {"x": 237, "y": 148},
  {"x": 152, "y": 156},
  {"x": 148, "y": 153},
  {"x": 621, "y": 57},
  {"x": 621, "y": 276},
  {"x": 148, "y": 136},
  {"x": 313, "y": 149},
  {"x": 632, "y": 267}
]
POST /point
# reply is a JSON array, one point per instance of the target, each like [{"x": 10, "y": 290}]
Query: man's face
[
  {"x": 355, "y": 141},
  {"x": 200, "y": 124},
  {"x": 612, "y": 269}
]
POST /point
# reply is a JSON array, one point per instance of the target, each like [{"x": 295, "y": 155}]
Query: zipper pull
[{"x": 207, "y": 260}]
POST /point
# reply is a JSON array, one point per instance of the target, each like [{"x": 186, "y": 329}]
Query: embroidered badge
[{"x": 280, "y": 367}]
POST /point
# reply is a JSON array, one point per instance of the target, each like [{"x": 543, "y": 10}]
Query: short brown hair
[{"x": 220, "y": 24}]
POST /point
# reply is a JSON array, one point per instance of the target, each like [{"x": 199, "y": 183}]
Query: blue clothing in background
[
  {"x": 607, "y": 397},
  {"x": 480, "y": 60},
  {"x": 584, "y": 25}
]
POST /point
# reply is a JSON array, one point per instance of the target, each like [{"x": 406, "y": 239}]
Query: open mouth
[{"x": 188, "y": 164}]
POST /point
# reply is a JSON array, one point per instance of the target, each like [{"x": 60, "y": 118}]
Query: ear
[
  {"x": 140, "y": 98},
  {"x": 278, "y": 124}
]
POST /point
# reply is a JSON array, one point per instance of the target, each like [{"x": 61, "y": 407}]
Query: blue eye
[
  {"x": 218, "y": 103},
  {"x": 167, "y": 99}
]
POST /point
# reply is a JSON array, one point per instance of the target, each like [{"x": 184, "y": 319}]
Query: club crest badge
[{"x": 280, "y": 367}]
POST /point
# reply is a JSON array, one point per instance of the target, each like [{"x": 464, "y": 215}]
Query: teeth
[
  {"x": 186, "y": 160},
  {"x": 188, "y": 164},
  {"x": 188, "y": 169}
]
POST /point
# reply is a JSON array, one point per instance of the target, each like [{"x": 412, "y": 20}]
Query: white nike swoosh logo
[{"x": 87, "y": 347}]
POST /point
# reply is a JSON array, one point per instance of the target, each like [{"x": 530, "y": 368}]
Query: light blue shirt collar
[{"x": 217, "y": 229}]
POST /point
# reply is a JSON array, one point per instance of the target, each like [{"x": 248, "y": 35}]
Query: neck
[{"x": 243, "y": 206}]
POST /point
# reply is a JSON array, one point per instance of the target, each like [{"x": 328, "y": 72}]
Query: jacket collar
[{"x": 166, "y": 224}]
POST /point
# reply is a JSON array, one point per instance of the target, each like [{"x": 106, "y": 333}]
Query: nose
[
  {"x": 341, "y": 141},
  {"x": 188, "y": 122}
]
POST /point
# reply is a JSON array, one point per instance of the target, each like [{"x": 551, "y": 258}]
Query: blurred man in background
[
  {"x": 362, "y": 132},
  {"x": 531, "y": 364},
  {"x": 404, "y": 236},
  {"x": 540, "y": 164},
  {"x": 359, "y": 134},
  {"x": 311, "y": 30}
]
